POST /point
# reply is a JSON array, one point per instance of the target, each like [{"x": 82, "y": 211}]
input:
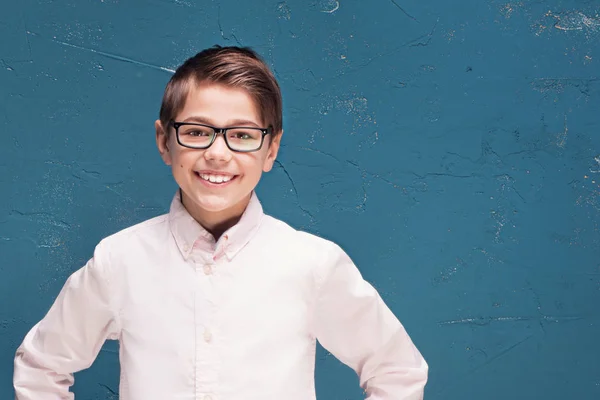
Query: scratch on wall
[
  {"x": 484, "y": 321},
  {"x": 109, "y": 55},
  {"x": 488, "y": 360},
  {"x": 179, "y": 3},
  {"x": 117, "y": 57},
  {"x": 502, "y": 353}
]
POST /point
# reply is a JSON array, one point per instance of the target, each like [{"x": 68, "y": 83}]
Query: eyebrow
[{"x": 234, "y": 122}]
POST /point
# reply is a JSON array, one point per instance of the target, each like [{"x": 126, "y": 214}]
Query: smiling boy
[{"x": 217, "y": 300}]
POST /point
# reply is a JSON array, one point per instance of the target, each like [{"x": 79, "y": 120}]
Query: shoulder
[
  {"x": 292, "y": 238},
  {"x": 299, "y": 245},
  {"x": 148, "y": 232}
]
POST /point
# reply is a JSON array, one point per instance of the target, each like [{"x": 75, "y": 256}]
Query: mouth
[{"x": 215, "y": 179}]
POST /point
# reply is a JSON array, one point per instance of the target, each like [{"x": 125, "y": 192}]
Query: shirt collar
[{"x": 189, "y": 234}]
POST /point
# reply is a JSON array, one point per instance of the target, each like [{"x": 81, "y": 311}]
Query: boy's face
[{"x": 219, "y": 106}]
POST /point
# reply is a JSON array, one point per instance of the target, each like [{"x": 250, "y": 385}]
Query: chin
[
  {"x": 212, "y": 205},
  {"x": 215, "y": 207},
  {"x": 215, "y": 204}
]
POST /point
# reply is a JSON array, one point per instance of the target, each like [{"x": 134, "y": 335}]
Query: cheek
[
  {"x": 250, "y": 164},
  {"x": 183, "y": 160}
]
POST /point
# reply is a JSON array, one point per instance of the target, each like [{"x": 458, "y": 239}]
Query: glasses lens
[
  {"x": 195, "y": 135},
  {"x": 244, "y": 139}
]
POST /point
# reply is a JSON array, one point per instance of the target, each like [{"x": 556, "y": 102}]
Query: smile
[{"x": 216, "y": 178}]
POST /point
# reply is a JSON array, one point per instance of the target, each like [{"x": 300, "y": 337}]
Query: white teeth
[{"x": 215, "y": 178}]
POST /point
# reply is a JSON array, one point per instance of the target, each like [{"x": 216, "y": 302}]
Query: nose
[{"x": 218, "y": 151}]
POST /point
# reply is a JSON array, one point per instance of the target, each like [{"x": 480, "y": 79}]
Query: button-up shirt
[{"x": 233, "y": 319}]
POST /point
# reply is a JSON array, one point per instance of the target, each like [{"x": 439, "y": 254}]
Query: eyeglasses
[{"x": 237, "y": 138}]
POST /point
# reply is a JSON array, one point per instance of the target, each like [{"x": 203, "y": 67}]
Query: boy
[{"x": 216, "y": 300}]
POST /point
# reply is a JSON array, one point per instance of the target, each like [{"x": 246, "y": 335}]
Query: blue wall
[{"x": 451, "y": 147}]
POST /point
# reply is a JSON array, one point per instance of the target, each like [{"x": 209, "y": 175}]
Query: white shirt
[{"x": 233, "y": 320}]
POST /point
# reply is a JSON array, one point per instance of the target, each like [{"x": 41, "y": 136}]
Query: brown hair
[{"x": 238, "y": 67}]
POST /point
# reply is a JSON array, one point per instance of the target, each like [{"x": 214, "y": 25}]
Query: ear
[
  {"x": 272, "y": 152},
  {"x": 162, "y": 142}
]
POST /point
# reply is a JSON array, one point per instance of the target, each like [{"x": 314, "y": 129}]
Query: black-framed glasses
[{"x": 237, "y": 138}]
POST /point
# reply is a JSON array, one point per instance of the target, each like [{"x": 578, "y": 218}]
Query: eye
[
  {"x": 244, "y": 134},
  {"x": 197, "y": 133},
  {"x": 194, "y": 131}
]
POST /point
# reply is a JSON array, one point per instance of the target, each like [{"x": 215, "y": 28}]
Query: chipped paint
[
  {"x": 509, "y": 8},
  {"x": 576, "y": 21},
  {"x": 329, "y": 6},
  {"x": 284, "y": 11}
]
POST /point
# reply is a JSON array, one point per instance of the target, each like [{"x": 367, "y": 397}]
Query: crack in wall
[
  {"x": 221, "y": 28},
  {"x": 40, "y": 217},
  {"x": 412, "y": 43},
  {"x": 418, "y": 41},
  {"x": 403, "y": 10},
  {"x": 294, "y": 189},
  {"x": 112, "y": 394}
]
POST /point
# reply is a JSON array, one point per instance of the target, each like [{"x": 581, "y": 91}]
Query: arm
[
  {"x": 355, "y": 325},
  {"x": 68, "y": 338}
]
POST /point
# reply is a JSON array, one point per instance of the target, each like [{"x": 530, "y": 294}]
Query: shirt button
[
  {"x": 207, "y": 336},
  {"x": 207, "y": 269}
]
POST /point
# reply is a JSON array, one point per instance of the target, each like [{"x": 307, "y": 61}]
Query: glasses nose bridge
[
  {"x": 218, "y": 131},
  {"x": 215, "y": 149}
]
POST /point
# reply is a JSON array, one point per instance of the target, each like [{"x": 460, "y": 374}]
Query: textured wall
[{"x": 451, "y": 147}]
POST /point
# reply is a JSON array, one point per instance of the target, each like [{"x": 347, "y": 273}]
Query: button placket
[{"x": 206, "y": 358}]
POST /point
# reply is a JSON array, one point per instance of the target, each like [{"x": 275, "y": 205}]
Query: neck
[{"x": 217, "y": 222}]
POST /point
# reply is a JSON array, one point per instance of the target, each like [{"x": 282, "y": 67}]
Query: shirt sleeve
[
  {"x": 69, "y": 337},
  {"x": 355, "y": 325}
]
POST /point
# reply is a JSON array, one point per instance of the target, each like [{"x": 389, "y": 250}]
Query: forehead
[{"x": 219, "y": 104}]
